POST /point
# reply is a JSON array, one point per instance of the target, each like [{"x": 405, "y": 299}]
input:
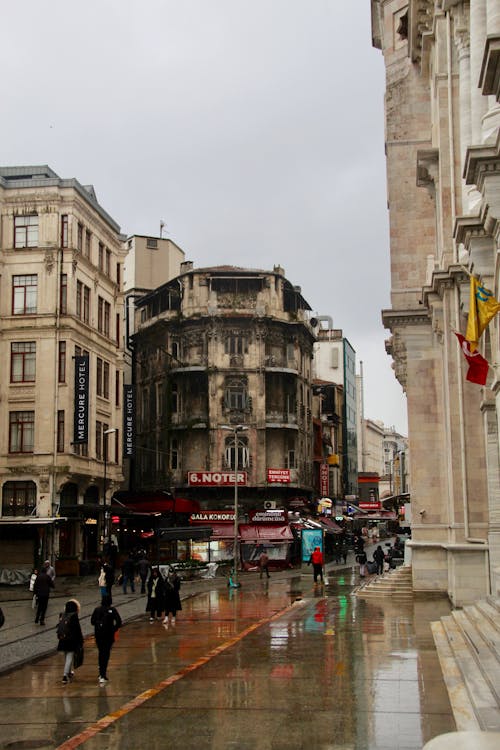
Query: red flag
[{"x": 478, "y": 365}]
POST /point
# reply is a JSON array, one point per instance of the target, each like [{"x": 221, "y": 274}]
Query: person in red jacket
[{"x": 317, "y": 563}]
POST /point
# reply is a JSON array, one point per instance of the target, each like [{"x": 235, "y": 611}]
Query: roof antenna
[{"x": 162, "y": 224}]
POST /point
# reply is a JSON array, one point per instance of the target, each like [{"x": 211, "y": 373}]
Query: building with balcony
[
  {"x": 223, "y": 379},
  {"x": 61, "y": 323}
]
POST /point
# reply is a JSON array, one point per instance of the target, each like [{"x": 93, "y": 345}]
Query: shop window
[
  {"x": 25, "y": 231},
  {"x": 18, "y": 498},
  {"x": 22, "y": 362},
  {"x": 21, "y": 431}
]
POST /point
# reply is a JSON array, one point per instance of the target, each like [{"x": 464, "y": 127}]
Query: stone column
[
  {"x": 477, "y": 39},
  {"x": 462, "y": 43},
  {"x": 493, "y": 476}
]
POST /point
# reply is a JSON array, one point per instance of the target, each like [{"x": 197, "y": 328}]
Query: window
[
  {"x": 18, "y": 498},
  {"x": 60, "y": 431},
  {"x": 64, "y": 230},
  {"x": 236, "y": 398},
  {"x": 102, "y": 379},
  {"x": 174, "y": 454},
  {"x": 88, "y": 239},
  {"x": 101, "y": 257},
  {"x": 21, "y": 431},
  {"x": 25, "y": 231},
  {"x": 63, "y": 294},
  {"x": 243, "y": 455},
  {"x": 175, "y": 398},
  {"x": 117, "y": 326},
  {"x": 151, "y": 243},
  {"x": 83, "y": 302},
  {"x": 108, "y": 262},
  {"x": 98, "y": 440},
  {"x": 61, "y": 363},
  {"x": 118, "y": 274},
  {"x": 236, "y": 345},
  {"x": 24, "y": 295},
  {"x": 107, "y": 316},
  {"x": 117, "y": 388},
  {"x": 79, "y": 237},
  {"x": 22, "y": 362}
]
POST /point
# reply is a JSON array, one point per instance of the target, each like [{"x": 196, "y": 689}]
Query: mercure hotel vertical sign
[
  {"x": 81, "y": 420},
  {"x": 128, "y": 420}
]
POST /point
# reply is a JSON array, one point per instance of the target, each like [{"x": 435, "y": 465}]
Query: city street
[{"x": 276, "y": 664}]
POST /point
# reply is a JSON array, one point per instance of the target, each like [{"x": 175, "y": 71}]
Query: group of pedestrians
[
  {"x": 106, "y": 622},
  {"x": 163, "y": 596}
]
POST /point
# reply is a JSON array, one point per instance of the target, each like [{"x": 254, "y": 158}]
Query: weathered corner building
[
  {"x": 223, "y": 377},
  {"x": 443, "y": 153}
]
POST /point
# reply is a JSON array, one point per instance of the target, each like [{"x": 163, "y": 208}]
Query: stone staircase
[
  {"x": 468, "y": 646},
  {"x": 397, "y": 584}
]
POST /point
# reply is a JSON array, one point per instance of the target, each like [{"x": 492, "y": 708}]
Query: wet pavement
[{"x": 276, "y": 664}]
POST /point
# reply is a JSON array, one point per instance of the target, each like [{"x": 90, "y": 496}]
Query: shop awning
[
  {"x": 330, "y": 526},
  {"x": 32, "y": 521},
  {"x": 191, "y": 532},
  {"x": 156, "y": 502},
  {"x": 268, "y": 532},
  {"x": 380, "y": 515},
  {"x": 222, "y": 530}
]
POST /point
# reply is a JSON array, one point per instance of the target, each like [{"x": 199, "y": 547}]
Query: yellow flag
[{"x": 482, "y": 308}]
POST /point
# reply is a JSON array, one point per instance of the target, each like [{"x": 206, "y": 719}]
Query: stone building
[
  {"x": 223, "y": 378},
  {"x": 61, "y": 297},
  {"x": 442, "y": 145}
]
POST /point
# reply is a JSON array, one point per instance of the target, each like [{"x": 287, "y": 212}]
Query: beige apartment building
[
  {"x": 443, "y": 151},
  {"x": 61, "y": 322}
]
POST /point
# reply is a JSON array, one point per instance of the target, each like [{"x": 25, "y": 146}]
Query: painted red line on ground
[{"x": 109, "y": 719}]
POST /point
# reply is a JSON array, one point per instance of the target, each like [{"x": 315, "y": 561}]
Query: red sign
[
  {"x": 323, "y": 480},
  {"x": 215, "y": 478},
  {"x": 278, "y": 476},
  {"x": 214, "y": 516},
  {"x": 369, "y": 506}
]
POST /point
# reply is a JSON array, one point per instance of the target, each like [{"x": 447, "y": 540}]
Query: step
[
  {"x": 481, "y": 651},
  {"x": 461, "y": 705},
  {"x": 494, "y": 601},
  {"x": 490, "y": 612},
  {"x": 487, "y": 630},
  {"x": 483, "y": 700}
]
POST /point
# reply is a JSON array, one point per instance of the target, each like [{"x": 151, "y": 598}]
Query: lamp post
[
  {"x": 106, "y": 511},
  {"x": 235, "y": 430}
]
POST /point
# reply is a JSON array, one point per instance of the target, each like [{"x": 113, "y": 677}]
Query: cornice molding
[
  {"x": 481, "y": 161},
  {"x": 403, "y": 318}
]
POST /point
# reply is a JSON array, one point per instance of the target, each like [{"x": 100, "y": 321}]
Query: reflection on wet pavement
[{"x": 322, "y": 670}]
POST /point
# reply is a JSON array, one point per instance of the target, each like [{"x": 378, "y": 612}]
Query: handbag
[{"x": 78, "y": 657}]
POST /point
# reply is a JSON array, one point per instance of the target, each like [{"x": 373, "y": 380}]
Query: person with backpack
[
  {"x": 106, "y": 622},
  {"x": 70, "y": 637},
  {"x": 41, "y": 589}
]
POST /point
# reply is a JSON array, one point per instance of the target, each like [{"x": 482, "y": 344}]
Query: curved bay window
[
  {"x": 18, "y": 498},
  {"x": 243, "y": 457},
  {"x": 236, "y": 395}
]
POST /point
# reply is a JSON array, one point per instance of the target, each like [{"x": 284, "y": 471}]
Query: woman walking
[
  {"x": 156, "y": 595},
  {"x": 70, "y": 637},
  {"x": 172, "y": 597}
]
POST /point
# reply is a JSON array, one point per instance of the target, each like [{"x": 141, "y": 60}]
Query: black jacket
[
  {"x": 43, "y": 584},
  {"x": 106, "y": 622},
  {"x": 74, "y": 641}
]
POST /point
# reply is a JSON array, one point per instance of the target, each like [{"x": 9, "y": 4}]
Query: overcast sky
[{"x": 253, "y": 128}]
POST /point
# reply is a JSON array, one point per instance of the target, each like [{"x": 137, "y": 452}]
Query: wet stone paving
[{"x": 275, "y": 665}]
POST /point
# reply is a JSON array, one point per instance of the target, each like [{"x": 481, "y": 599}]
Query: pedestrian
[
  {"x": 50, "y": 570},
  {"x": 41, "y": 589},
  {"x": 143, "y": 568},
  {"x": 317, "y": 562},
  {"x": 362, "y": 559},
  {"x": 106, "y": 622},
  {"x": 128, "y": 574},
  {"x": 172, "y": 597},
  {"x": 264, "y": 563},
  {"x": 336, "y": 552},
  {"x": 344, "y": 550},
  {"x": 379, "y": 558},
  {"x": 109, "y": 578},
  {"x": 69, "y": 633},
  {"x": 156, "y": 595}
]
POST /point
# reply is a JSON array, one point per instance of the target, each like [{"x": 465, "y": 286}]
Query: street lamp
[
  {"x": 106, "y": 512},
  {"x": 235, "y": 430}
]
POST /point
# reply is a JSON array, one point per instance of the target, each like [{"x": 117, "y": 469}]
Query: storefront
[
  {"x": 23, "y": 546},
  {"x": 220, "y": 547},
  {"x": 268, "y": 532}
]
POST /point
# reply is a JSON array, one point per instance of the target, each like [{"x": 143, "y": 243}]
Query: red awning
[
  {"x": 269, "y": 532},
  {"x": 156, "y": 503},
  {"x": 331, "y": 525},
  {"x": 221, "y": 530}
]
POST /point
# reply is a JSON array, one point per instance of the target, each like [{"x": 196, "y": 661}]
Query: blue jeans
[{"x": 127, "y": 579}]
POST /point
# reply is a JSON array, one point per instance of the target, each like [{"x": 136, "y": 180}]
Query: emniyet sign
[
  {"x": 369, "y": 506},
  {"x": 216, "y": 478},
  {"x": 278, "y": 476}
]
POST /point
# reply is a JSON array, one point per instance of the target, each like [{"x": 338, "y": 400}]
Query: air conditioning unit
[{"x": 270, "y": 504}]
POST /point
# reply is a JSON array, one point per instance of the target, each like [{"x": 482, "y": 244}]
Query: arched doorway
[
  {"x": 90, "y": 522},
  {"x": 68, "y": 532}
]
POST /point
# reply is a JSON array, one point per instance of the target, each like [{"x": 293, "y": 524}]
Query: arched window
[
  {"x": 18, "y": 498},
  {"x": 243, "y": 454},
  {"x": 68, "y": 495},
  {"x": 91, "y": 496}
]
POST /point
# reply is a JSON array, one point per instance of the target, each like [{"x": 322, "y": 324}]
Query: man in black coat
[
  {"x": 379, "y": 558},
  {"x": 106, "y": 622},
  {"x": 41, "y": 589}
]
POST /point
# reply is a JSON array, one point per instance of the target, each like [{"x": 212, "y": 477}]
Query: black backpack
[
  {"x": 106, "y": 622},
  {"x": 63, "y": 627}
]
